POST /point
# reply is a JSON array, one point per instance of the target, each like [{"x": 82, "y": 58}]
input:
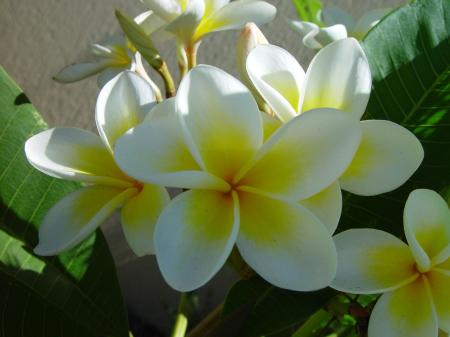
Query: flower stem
[
  {"x": 191, "y": 54},
  {"x": 169, "y": 85},
  {"x": 207, "y": 324},
  {"x": 181, "y": 320}
]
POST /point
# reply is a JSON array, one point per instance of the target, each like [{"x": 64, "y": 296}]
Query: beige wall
[{"x": 39, "y": 37}]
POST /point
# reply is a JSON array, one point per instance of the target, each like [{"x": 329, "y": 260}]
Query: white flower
[
  {"x": 338, "y": 25},
  {"x": 210, "y": 139},
  {"x": 415, "y": 280},
  {"x": 338, "y": 77},
  {"x": 79, "y": 155},
  {"x": 191, "y": 20}
]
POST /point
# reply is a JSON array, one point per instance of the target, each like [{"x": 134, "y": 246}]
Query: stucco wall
[{"x": 39, "y": 37}]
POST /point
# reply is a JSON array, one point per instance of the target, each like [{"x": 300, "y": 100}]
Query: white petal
[
  {"x": 371, "y": 261},
  {"x": 108, "y": 74},
  {"x": 212, "y": 6},
  {"x": 427, "y": 227},
  {"x": 285, "y": 244},
  {"x": 194, "y": 237},
  {"x": 184, "y": 26},
  {"x": 80, "y": 71},
  {"x": 338, "y": 77},
  {"x": 122, "y": 104},
  {"x": 232, "y": 133},
  {"x": 156, "y": 152},
  {"x": 278, "y": 77},
  {"x": 77, "y": 215},
  {"x": 149, "y": 21},
  {"x": 406, "y": 312},
  {"x": 440, "y": 289},
  {"x": 321, "y": 37},
  {"x": 387, "y": 157},
  {"x": 139, "y": 217},
  {"x": 304, "y": 156},
  {"x": 367, "y": 21},
  {"x": 235, "y": 15},
  {"x": 332, "y": 15},
  {"x": 74, "y": 154},
  {"x": 303, "y": 27},
  {"x": 166, "y": 9},
  {"x": 326, "y": 206}
]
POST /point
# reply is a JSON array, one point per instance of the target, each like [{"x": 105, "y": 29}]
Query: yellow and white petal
[
  {"x": 139, "y": 217},
  {"x": 73, "y": 154},
  {"x": 232, "y": 131},
  {"x": 405, "y": 312},
  {"x": 184, "y": 26},
  {"x": 122, "y": 104},
  {"x": 326, "y": 206},
  {"x": 302, "y": 27},
  {"x": 77, "y": 215},
  {"x": 79, "y": 71},
  {"x": 278, "y": 77},
  {"x": 367, "y": 21},
  {"x": 426, "y": 221},
  {"x": 194, "y": 237},
  {"x": 285, "y": 243},
  {"x": 332, "y": 15},
  {"x": 155, "y": 152},
  {"x": 338, "y": 77},
  {"x": 270, "y": 125},
  {"x": 235, "y": 15},
  {"x": 387, "y": 157},
  {"x": 439, "y": 283},
  {"x": 371, "y": 261},
  {"x": 166, "y": 9},
  {"x": 304, "y": 156},
  {"x": 321, "y": 37},
  {"x": 212, "y": 6}
]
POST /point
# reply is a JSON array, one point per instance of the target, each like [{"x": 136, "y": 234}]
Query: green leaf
[
  {"x": 308, "y": 10},
  {"x": 74, "y": 294},
  {"x": 409, "y": 56},
  {"x": 270, "y": 309},
  {"x": 140, "y": 39}
]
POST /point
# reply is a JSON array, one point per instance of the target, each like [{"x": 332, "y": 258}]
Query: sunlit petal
[
  {"x": 371, "y": 261},
  {"x": 73, "y": 154},
  {"x": 156, "y": 152},
  {"x": 184, "y": 26},
  {"x": 77, "y": 215},
  {"x": 166, "y": 9},
  {"x": 387, "y": 157},
  {"x": 278, "y": 77},
  {"x": 427, "y": 227},
  {"x": 303, "y": 27},
  {"x": 304, "y": 156},
  {"x": 338, "y": 77},
  {"x": 321, "y": 37},
  {"x": 326, "y": 206},
  {"x": 139, "y": 217},
  {"x": 285, "y": 243},
  {"x": 232, "y": 133},
  {"x": 407, "y": 312},
  {"x": 122, "y": 104},
  {"x": 194, "y": 237}
]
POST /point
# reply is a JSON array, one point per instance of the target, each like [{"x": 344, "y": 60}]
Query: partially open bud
[{"x": 249, "y": 38}]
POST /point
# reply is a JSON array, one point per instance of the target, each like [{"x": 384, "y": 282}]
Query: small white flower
[{"x": 414, "y": 280}]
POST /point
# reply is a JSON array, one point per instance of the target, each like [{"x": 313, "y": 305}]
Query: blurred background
[{"x": 39, "y": 38}]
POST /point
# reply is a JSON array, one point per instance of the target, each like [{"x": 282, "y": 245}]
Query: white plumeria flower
[
  {"x": 209, "y": 139},
  {"x": 75, "y": 154},
  {"x": 112, "y": 57},
  {"x": 355, "y": 28},
  {"x": 415, "y": 280},
  {"x": 191, "y": 20},
  {"x": 338, "y": 25},
  {"x": 316, "y": 37},
  {"x": 338, "y": 77}
]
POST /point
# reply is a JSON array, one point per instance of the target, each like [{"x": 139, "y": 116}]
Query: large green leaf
[
  {"x": 409, "y": 55},
  {"x": 75, "y": 294}
]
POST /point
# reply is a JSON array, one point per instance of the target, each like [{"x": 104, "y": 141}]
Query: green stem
[
  {"x": 191, "y": 54},
  {"x": 181, "y": 320},
  {"x": 169, "y": 85}
]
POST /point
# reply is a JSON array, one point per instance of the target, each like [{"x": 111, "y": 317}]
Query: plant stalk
[
  {"x": 207, "y": 324},
  {"x": 181, "y": 320},
  {"x": 169, "y": 85}
]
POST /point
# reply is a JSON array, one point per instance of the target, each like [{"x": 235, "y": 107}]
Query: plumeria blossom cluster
[
  {"x": 260, "y": 165},
  {"x": 337, "y": 24}
]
